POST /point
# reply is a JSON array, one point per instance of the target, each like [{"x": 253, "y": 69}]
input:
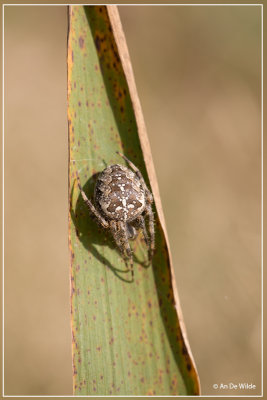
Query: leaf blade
[{"x": 126, "y": 337}]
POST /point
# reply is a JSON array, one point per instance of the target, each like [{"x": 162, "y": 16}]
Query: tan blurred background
[{"x": 197, "y": 71}]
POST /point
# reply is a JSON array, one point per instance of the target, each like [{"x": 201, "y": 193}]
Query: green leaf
[{"x": 127, "y": 338}]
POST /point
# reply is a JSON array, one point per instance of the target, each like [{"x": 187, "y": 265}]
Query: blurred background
[{"x": 197, "y": 71}]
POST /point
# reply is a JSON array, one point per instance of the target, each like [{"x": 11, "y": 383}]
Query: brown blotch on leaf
[
  {"x": 98, "y": 42},
  {"x": 178, "y": 338},
  {"x": 81, "y": 42},
  {"x": 174, "y": 381}
]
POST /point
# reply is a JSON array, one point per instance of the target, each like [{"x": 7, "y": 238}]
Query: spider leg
[
  {"x": 140, "y": 177},
  {"x": 149, "y": 199},
  {"x": 92, "y": 208},
  {"x": 134, "y": 168},
  {"x": 123, "y": 231},
  {"x": 141, "y": 223},
  {"x": 151, "y": 230},
  {"x": 116, "y": 235},
  {"x": 119, "y": 232}
]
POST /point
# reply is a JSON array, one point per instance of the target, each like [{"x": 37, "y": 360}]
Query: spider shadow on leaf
[{"x": 91, "y": 234}]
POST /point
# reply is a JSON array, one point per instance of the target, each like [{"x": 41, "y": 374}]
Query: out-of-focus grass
[{"x": 205, "y": 115}]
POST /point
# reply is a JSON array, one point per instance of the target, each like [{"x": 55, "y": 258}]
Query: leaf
[{"x": 127, "y": 338}]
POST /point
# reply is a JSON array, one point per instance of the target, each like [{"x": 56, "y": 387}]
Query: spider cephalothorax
[{"x": 122, "y": 201}]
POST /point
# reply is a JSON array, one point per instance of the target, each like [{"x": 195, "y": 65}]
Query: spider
[{"x": 121, "y": 203}]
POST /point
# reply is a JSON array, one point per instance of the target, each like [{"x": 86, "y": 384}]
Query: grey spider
[{"x": 121, "y": 203}]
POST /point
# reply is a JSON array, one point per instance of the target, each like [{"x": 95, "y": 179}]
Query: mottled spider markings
[
  {"x": 119, "y": 193},
  {"x": 122, "y": 201}
]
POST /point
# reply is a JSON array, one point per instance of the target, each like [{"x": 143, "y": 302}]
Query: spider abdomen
[{"x": 119, "y": 194}]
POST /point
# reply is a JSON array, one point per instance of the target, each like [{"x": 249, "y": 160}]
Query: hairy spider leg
[
  {"x": 92, "y": 208},
  {"x": 118, "y": 230},
  {"x": 149, "y": 211},
  {"x": 125, "y": 241},
  {"x": 141, "y": 223},
  {"x": 136, "y": 170},
  {"x": 151, "y": 230}
]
